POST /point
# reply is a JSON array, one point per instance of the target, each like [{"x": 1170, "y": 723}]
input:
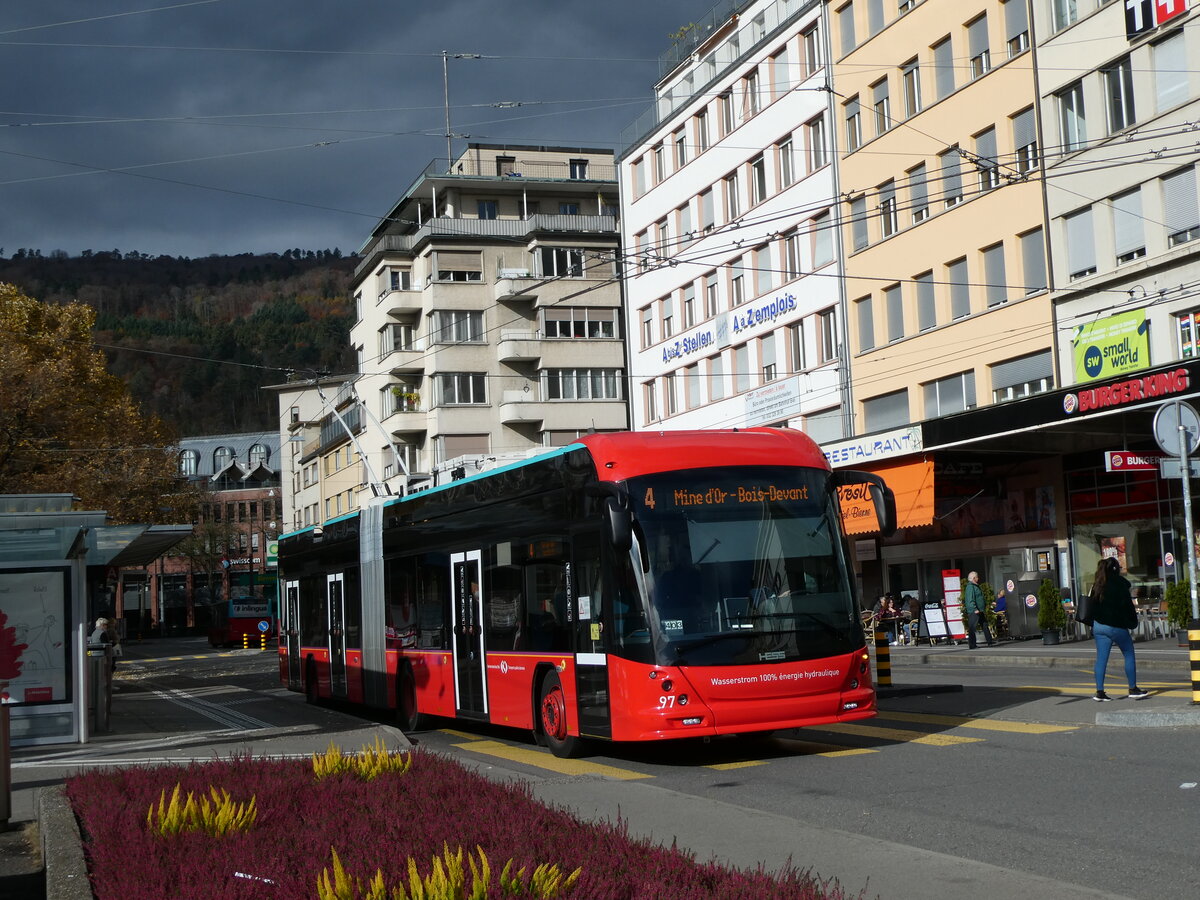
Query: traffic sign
[
  {"x": 1172, "y": 467},
  {"x": 1167, "y": 420},
  {"x": 264, "y": 626}
]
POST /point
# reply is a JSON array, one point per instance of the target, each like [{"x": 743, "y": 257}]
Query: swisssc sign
[{"x": 1143, "y": 15}]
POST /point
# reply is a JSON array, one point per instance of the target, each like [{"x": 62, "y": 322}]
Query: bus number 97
[{"x": 666, "y": 701}]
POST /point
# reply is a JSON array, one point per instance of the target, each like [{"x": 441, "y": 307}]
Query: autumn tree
[{"x": 68, "y": 425}]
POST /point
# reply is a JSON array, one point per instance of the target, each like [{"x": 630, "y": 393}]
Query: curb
[
  {"x": 62, "y": 847},
  {"x": 1150, "y": 718},
  {"x": 912, "y": 690},
  {"x": 950, "y": 658}
]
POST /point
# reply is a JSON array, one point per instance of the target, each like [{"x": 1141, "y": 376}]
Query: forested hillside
[{"x": 196, "y": 339}]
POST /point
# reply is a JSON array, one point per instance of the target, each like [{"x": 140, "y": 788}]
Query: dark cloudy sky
[{"x": 191, "y": 127}]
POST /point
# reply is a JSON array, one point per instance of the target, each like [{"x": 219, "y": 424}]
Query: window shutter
[
  {"x": 951, "y": 174},
  {"x": 1033, "y": 260},
  {"x": 1081, "y": 245},
  {"x": 1016, "y": 20},
  {"x": 1024, "y": 129},
  {"x": 918, "y": 187},
  {"x": 943, "y": 61},
  {"x": 1033, "y": 367},
  {"x": 1179, "y": 200},
  {"x": 977, "y": 36},
  {"x": 888, "y": 411},
  {"x": 1170, "y": 72},
  {"x": 1128, "y": 233},
  {"x": 460, "y": 261}
]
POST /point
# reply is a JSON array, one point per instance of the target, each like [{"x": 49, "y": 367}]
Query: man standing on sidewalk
[{"x": 976, "y": 607}]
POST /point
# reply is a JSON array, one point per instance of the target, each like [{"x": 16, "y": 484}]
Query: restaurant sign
[
  {"x": 1127, "y": 393},
  {"x": 1126, "y": 461}
]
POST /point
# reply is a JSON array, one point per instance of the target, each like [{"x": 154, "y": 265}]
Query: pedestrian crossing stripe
[
  {"x": 830, "y": 751},
  {"x": 542, "y": 759},
  {"x": 976, "y": 723},
  {"x": 744, "y": 764}
]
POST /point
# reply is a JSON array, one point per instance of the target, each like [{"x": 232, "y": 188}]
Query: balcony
[
  {"x": 516, "y": 284},
  {"x": 407, "y": 420},
  {"x": 410, "y": 358},
  {"x": 520, "y": 346},
  {"x": 521, "y": 408},
  {"x": 401, "y": 304}
]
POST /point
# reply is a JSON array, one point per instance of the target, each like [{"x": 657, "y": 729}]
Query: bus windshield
[{"x": 742, "y": 566}]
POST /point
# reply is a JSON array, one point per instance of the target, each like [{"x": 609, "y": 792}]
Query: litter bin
[{"x": 99, "y": 673}]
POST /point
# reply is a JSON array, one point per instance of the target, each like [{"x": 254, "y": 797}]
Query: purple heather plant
[{"x": 377, "y": 825}]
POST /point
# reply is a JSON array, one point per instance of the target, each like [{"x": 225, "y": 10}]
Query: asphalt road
[{"x": 1006, "y": 787}]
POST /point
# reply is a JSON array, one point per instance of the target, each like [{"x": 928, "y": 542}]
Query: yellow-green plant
[
  {"x": 374, "y": 760},
  {"x": 219, "y": 817},
  {"x": 447, "y": 880}
]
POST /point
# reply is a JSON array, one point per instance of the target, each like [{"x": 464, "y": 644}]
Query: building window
[
  {"x": 457, "y": 326},
  {"x": 910, "y": 77},
  {"x": 399, "y": 280},
  {"x": 858, "y": 222},
  {"x": 827, "y": 346},
  {"x": 702, "y": 143},
  {"x": 888, "y": 411},
  {"x": 792, "y": 265},
  {"x": 650, "y": 400},
  {"x": 952, "y": 188},
  {"x": 950, "y": 395},
  {"x": 458, "y": 265},
  {"x": 822, "y": 231},
  {"x": 926, "y": 301},
  {"x": 960, "y": 289},
  {"x": 660, "y": 164},
  {"x": 796, "y": 346},
  {"x": 461, "y": 388},
  {"x": 582, "y": 384},
  {"x": 691, "y": 380},
  {"x": 647, "y": 327},
  {"x": 725, "y": 104},
  {"x": 1016, "y": 27},
  {"x": 943, "y": 68},
  {"x": 853, "y": 125},
  {"x": 578, "y": 168},
  {"x": 680, "y": 149},
  {"x": 1025, "y": 140},
  {"x": 977, "y": 44},
  {"x": 222, "y": 457},
  {"x": 758, "y": 180},
  {"x": 996, "y": 287},
  {"x": 1071, "y": 117},
  {"x": 639, "y": 178},
  {"x": 918, "y": 188},
  {"x": 737, "y": 284},
  {"x": 1023, "y": 377},
  {"x": 742, "y": 380},
  {"x": 733, "y": 204},
  {"x": 689, "y": 305},
  {"x": 668, "y": 317},
  {"x": 866, "y": 324},
  {"x": 1081, "y": 244},
  {"x": 764, "y": 271},
  {"x": 893, "y": 305},
  {"x": 708, "y": 214},
  {"x": 486, "y": 208},
  {"x": 781, "y": 72},
  {"x": 750, "y": 99},
  {"x": 874, "y": 17},
  {"x": 1170, "y": 72},
  {"x": 568, "y": 208},
  {"x": 985, "y": 152},
  {"x": 1129, "y": 235},
  {"x": 812, "y": 50},
  {"x": 1033, "y": 261},
  {"x": 1181, "y": 209},
  {"x": 189, "y": 462},
  {"x": 580, "y": 322},
  {"x": 845, "y": 19},
  {"x": 787, "y": 164},
  {"x": 881, "y": 103},
  {"x": 766, "y": 355},
  {"x": 716, "y": 377},
  {"x": 888, "y": 222},
  {"x": 561, "y": 262},
  {"x": 711, "y": 303},
  {"x": 1118, "y": 88},
  {"x": 1065, "y": 13},
  {"x": 816, "y": 143}
]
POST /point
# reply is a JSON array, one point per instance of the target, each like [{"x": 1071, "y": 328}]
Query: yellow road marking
[
  {"x": 461, "y": 734},
  {"x": 897, "y": 734},
  {"x": 738, "y": 765},
  {"x": 981, "y": 724},
  {"x": 814, "y": 748},
  {"x": 542, "y": 759}
]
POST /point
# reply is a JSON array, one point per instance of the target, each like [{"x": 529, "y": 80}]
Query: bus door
[
  {"x": 591, "y": 588},
  {"x": 291, "y": 632},
  {"x": 470, "y": 672},
  {"x": 337, "y": 635}
]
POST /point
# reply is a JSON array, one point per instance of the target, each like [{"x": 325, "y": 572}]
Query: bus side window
[
  {"x": 545, "y": 620},
  {"x": 502, "y": 608},
  {"x": 433, "y": 602}
]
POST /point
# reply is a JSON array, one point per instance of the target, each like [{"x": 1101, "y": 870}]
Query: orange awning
[{"x": 911, "y": 482}]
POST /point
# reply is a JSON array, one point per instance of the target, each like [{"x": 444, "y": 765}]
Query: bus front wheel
[
  {"x": 552, "y": 716},
  {"x": 407, "y": 715}
]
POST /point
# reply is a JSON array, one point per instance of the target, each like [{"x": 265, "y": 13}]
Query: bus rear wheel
[
  {"x": 552, "y": 717},
  {"x": 407, "y": 715}
]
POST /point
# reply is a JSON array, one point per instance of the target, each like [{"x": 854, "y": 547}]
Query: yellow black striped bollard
[
  {"x": 883, "y": 659},
  {"x": 246, "y": 640},
  {"x": 262, "y": 641},
  {"x": 1194, "y": 658}
]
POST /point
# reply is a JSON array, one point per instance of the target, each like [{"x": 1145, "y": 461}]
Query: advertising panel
[
  {"x": 34, "y": 639},
  {"x": 1112, "y": 346}
]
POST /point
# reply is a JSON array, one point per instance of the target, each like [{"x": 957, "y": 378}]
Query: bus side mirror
[
  {"x": 618, "y": 522},
  {"x": 881, "y": 495}
]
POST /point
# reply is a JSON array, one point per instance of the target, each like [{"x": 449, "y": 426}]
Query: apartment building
[
  {"x": 1119, "y": 104},
  {"x": 727, "y": 196},
  {"x": 488, "y": 327}
]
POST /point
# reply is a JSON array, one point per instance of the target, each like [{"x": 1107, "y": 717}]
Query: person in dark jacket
[
  {"x": 1115, "y": 617},
  {"x": 975, "y": 607}
]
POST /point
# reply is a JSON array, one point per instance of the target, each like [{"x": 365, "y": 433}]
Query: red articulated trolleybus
[{"x": 627, "y": 587}]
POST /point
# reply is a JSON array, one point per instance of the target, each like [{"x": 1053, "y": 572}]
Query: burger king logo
[{"x": 1070, "y": 403}]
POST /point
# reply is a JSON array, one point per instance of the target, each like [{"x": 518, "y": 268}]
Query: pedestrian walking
[
  {"x": 1115, "y": 617},
  {"x": 976, "y": 607}
]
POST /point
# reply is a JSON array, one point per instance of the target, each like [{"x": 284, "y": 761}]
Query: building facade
[
  {"x": 488, "y": 323},
  {"x": 728, "y": 209}
]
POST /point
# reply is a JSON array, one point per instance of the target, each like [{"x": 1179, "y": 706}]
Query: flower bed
[{"x": 372, "y": 825}]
